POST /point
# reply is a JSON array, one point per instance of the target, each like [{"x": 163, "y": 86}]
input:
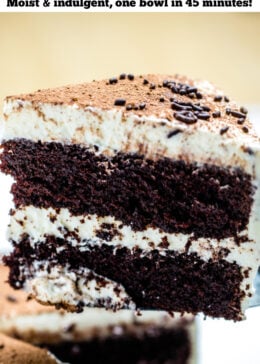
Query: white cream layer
[
  {"x": 112, "y": 131},
  {"x": 54, "y": 327},
  {"x": 89, "y": 324},
  {"x": 59, "y": 285},
  {"x": 38, "y": 222}
]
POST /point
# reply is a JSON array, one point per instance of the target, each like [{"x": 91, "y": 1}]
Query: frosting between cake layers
[
  {"x": 112, "y": 131},
  {"x": 83, "y": 232},
  {"x": 55, "y": 326},
  {"x": 59, "y": 285}
]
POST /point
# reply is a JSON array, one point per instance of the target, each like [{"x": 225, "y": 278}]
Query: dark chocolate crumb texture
[
  {"x": 163, "y": 346},
  {"x": 153, "y": 281},
  {"x": 135, "y": 191}
]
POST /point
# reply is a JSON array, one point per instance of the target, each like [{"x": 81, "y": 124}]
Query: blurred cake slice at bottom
[
  {"x": 18, "y": 352},
  {"x": 97, "y": 335}
]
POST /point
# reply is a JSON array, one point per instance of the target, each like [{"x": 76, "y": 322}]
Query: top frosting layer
[
  {"x": 151, "y": 115},
  {"x": 173, "y": 98}
]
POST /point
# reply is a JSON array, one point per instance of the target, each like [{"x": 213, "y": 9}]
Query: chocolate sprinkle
[
  {"x": 205, "y": 108},
  {"x": 113, "y": 80},
  {"x": 182, "y": 89},
  {"x": 142, "y": 106},
  {"x": 224, "y": 130},
  {"x": 203, "y": 115},
  {"x": 165, "y": 83},
  {"x": 173, "y": 132},
  {"x": 161, "y": 99},
  {"x": 241, "y": 121},
  {"x": 145, "y": 82},
  {"x": 191, "y": 96},
  {"x": 122, "y": 76},
  {"x": 218, "y": 98},
  {"x": 197, "y": 107},
  {"x": 228, "y": 111},
  {"x": 183, "y": 103},
  {"x": 152, "y": 86},
  {"x": 216, "y": 114},
  {"x": 243, "y": 110},
  {"x": 245, "y": 129},
  {"x": 130, "y": 77},
  {"x": 120, "y": 102},
  {"x": 192, "y": 90},
  {"x": 178, "y": 106},
  {"x": 187, "y": 117},
  {"x": 237, "y": 114}
]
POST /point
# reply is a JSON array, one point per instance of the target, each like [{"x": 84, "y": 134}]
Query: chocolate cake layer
[
  {"x": 171, "y": 281},
  {"x": 158, "y": 346},
  {"x": 140, "y": 192}
]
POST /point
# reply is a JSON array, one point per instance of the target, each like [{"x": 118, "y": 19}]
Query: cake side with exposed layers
[
  {"x": 154, "y": 199},
  {"x": 93, "y": 335},
  {"x": 87, "y": 115}
]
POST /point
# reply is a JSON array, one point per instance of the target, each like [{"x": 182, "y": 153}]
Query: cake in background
[
  {"x": 137, "y": 192},
  {"x": 18, "y": 352},
  {"x": 97, "y": 336}
]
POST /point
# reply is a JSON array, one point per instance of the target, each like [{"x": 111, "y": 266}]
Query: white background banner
[{"x": 129, "y": 5}]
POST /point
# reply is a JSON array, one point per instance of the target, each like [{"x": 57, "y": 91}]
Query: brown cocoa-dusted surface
[
  {"x": 208, "y": 201},
  {"x": 158, "y": 346},
  {"x": 151, "y": 95},
  {"x": 171, "y": 282}
]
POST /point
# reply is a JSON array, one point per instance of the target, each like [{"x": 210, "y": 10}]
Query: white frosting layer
[
  {"x": 91, "y": 323},
  {"x": 59, "y": 285},
  {"x": 39, "y": 222},
  {"x": 111, "y": 131},
  {"x": 55, "y": 327}
]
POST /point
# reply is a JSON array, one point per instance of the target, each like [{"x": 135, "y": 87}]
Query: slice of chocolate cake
[
  {"x": 98, "y": 336},
  {"x": 133, "y": 192},
  {"x": 18, "y": 352}
]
